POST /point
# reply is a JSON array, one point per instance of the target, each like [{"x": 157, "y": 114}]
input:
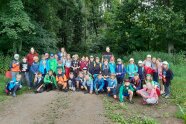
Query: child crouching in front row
[{"x": 50, "y": 81}]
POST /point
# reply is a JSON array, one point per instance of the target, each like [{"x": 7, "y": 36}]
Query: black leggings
[{"x": 49, "y": 87}]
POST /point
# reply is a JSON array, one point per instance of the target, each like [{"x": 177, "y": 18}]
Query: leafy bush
[{"x": 4, "y": 63}]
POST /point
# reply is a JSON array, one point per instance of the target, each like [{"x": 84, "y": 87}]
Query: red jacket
[
  {"x": 83, "y": 64},
  {"x": 30, "y": 58}
]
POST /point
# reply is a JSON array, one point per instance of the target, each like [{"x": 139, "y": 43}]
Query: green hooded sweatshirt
[
  {"x": 123, "y": 90},
  {"x": 53, "y": 64},
  {"x": 48, "y": 79}
]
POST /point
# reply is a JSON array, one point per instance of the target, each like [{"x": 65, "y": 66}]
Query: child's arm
[{"x": 102, "y": 85}]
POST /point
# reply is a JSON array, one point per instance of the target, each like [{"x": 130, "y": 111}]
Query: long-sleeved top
[
  {"x": 136, "y": 83},
  {"x": 44, "y": 64},
  {"x": 120, "y": 70},
  {"x": 68, "y": 63},
  {"x": 53, "y": 64},
  {"x": 15, "y": 66},
  {"x": 91, "y": 67},
  {"x": 50, "y": 79},
  {"x": 24, "y": 67},
  {"x": 88, "y": 83},
  {"x": 132, "y": 69},
  {"x": 112, "y": 83},
  {"x": 34, "y": 67},
  {"x": 30, "y": 58},
  {"x": 97, "y": 67},
  {"x": 168, "y": 76},
  {"x": 112, "y": 67},
  {"x": 105, "y": 70},
  {"x": 100, "y": 83},
  {"x": 151, "y": 94},
  {"x": 124, "y": 90},
  {"x": 141, "y": 72}
]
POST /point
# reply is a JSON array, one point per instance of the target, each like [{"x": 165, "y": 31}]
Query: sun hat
[
  {"x": 148, "y": 56},
  {"x": 140, "y": 62}
]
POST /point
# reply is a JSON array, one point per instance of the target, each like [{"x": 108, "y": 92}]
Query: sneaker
[
  {"x": 163, "y": 95},
  {"x": 167, "y": 96},
  {"x": 131, "y": 102},
  {"x": 14, "y": 95},
  {"x": 96, "y": 91}
]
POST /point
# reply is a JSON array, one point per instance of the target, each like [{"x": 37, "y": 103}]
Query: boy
[
  {"x": 97, "y": 67},
  {"x": 126, "y": 90},
  {"x": 112, "y": 85},
  {"x": 120, "y": 71},
  {"x": 14, "y": 85},
  {"x": 75, "y": 65},
  {"x": 50, "y": 81},
  {"x": 44, "y": 66},
  {"x": 79, "y": 81},
  {"x": 15, "y": 66},
  {"x": 136, "y": 82},
  {"x": 112, "y": 65},
  {"x": 61, "y": 65},
  {"x": 83, "y": 63},
  {"x": 168, "y": 76},
  {"x": 53, "y": 63},
  {"x": 87, "y": 84},
  {"x": 99, "y": 84},
  {"x": 71, "y": 82},
  {"x": 25, "y": 71},
  {"x": 131, "y": 68},
  {"x": 61, "y": 80},
  {"x": 91, "y": 65},
  {"x": 34, "y": 69},
  {"x": 141, "y": 72},
  {"x": 39, "y": 83},
  {"x": 106, "y": 73}
]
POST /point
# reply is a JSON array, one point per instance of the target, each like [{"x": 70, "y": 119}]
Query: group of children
[{"x": 149, "y": 78}]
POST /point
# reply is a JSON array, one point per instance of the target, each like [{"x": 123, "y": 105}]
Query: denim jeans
[
  {"x": 25, "y": 78},
  {"x": 167, "y": 89},
  {"x": 14, "y": 75}
]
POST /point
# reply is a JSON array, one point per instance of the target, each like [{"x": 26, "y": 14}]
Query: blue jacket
[
  {"x": 112, "y": 83},
  {"x": 100, "y": 83},
  {"x": 141, "y": 72},
  {"x": 112, "y": 67},
  {"x": 60, "y": 56},
  {"x": 137, "y": 83},
  {"x": 41, "y": 67},
  {"x": 132, "y": 69},
  {"x": 120, "y": 69},
  {"x": 34, "y": 67},
  {"x": 12, "y": 84}
]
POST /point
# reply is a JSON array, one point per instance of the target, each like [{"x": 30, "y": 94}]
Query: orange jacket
[
  {"x": 15, "y": 67},
  {"x": 61, "y": 79}
]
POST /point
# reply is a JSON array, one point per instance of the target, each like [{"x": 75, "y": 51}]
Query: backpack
[{"x": 121, "y": 67}]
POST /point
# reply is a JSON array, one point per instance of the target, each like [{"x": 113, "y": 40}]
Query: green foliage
[{"x": 4, "y": 63}]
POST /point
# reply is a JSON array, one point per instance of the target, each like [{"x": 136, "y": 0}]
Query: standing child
[
  {"x": 25, "y": 71},
  {"x": 50, "y": 81},
  {"x": 14, "y": 85},
  {"x": 106, "y": 73},
  {"x": 141, "y": 72},
  {"x": 15, "y": 66},
  {"x": 112, "y": 85},
  {"x": 97, "y": 67},
  {"x": 82, "y": 63},
  {"x": 44, "y": 66},
  {"x": 112, "y": 65},
  {"x": 168, "y": 76},
  {"x": 71, "y": 82},
  {"x": 68, "y": 65},
  {"x": 87, "y": 84},
  {"x": 91, "y": 65},
  {"x": 99, "y": 84},
  {"x": 53, "y": 63},
  {"x": 154, "y": 67},
  {"x": 60, "y": 65},
  {"x": 120, "y": 71},
  {"x": 160, "y": 69},
  {"x": 61, "y": 53},
  {"x": 61, "y": 80},
  {"x": 34, "y": 69},
  {"x": 126, "y": 90},
  {"x": 131, "y": 68},
  {"x": 75, "y": 65}
]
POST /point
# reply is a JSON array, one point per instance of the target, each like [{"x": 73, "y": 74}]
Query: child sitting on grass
[
  {"x": 87, "y": 84},
  {"x": 50, "y": 81},
  {"x": 39, "y": 83},
  {"x": 71, "y": 82},
  {"x": 126, "y": 90},
  {"x": 14, "y": 85},
  {"x": 149, "y": 94},
  {"x": 99, "y": 84},
  {"x": 112, "y": 85},
  {"x": 61, "y": 80}
]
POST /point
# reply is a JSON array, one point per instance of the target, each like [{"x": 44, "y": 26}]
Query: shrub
[{"x": 4, "y": 63}]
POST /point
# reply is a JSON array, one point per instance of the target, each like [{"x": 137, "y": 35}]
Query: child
[
  {"x": 87, "y": 84},
  {"x": 112, "y": 85},
  {"x": 60, "y": 65},
  {"x": 61, "y": 80},
  {"x": 39, "y": 83},
  {"x": 71, "y": 82},
  {"x": 25, "y": 71},
  {"x": 126, "y": 90},
  {"x": 34, "y": 69},
  {"x": 160, "y": 69},
  {"x": 168, "y": 76},
  {"x": 91, "y": 65},
  {"x": 149, "y": 94},
  {"x": 99, "y": 84},
  {"x": 79, "y": 81},
  {"x": 61, "y": 53},
  {"x": 44, "y": 66},
  {"x": 53, "y": 63},
  {"x": 112, "y": 65},
  {"x": 141, "y": 72},
  {"x": 83, "y": 63},
  {"x": 14, "y": 85},
  {"x": 50, "y": 81},
  {"x": 64, "y": 58},
  {"x": 97, "y": 67},
  {"x": 131, "y": 68},
  {"x": 106, "y": 73},
  {"x": 68, "y": 65},
  {"x": 15, "y": 66},
  {"x": 136, "y": 82},
  {"x": 120, "y": 71},
  {"x": 148, "y": 61},
  {"x": 75, "y": 65},
  {"x": 154, "y": 67}
]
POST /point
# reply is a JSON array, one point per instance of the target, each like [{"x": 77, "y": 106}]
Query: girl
[
  {"x": 141, "y": 72},
  {"x": 91, "y": 65},
  {"x": 96, "y": 67},
  {"x": 83, "y": 63},
  {"x": 131, "y": 68},
  {"x": 112, "y": 65},
  {"x": 75, "y": 65},
  {"x": 149, "y": 94},
  {"x": 154, "y": 67},
  {"x": 25, "y": 71},
  {"x": 44, "y": 66},
  {"x": 71, "y": 82},
  {"x": 61, "y": 66},
  {"x": 68, "y": 65},
  {"x": 159, "y": 71},
  {"x": 61, "y": 53}
]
